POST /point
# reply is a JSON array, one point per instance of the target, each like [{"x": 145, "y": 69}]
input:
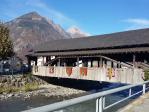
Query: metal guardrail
[{"x": 100, "y": 99}]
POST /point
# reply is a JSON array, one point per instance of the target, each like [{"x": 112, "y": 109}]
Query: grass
[
  {"x": 30, "y": 86},
  {"x": 27, "y": 87},
  {"x": 29, "y": 75},
  {"x": 8, "y": 89},
  {"x": 146, "y": 75}
]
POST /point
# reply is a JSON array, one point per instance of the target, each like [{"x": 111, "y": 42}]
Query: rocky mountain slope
[{"x": 31, "y": 29}]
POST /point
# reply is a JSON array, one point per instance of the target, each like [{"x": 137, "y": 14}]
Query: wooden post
[
  {"x": 43, "y": 60},
  {"x": 77, "y": 61},
  {"x": 29, "y": 63},
  {"x": 47, "y": 59},
  {"x": 91, "y": 63},
  {"x": 134, "y": 60},
  {"x": 59, "y": 62},
  {"x": 65, "y": 64},
  {"x": 101, "y": 62},
  {"x": 98, "y": 63},
  {"x": 119, "y": 64},
  {"x": 36, "y": 61},
  {"x": 82, "y": 63},
  {"x": 105, "y": 63}
]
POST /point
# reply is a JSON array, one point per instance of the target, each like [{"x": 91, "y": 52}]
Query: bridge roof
[
  {"x": 92, "y": 52},
  {"x": 127, "y": 39}
]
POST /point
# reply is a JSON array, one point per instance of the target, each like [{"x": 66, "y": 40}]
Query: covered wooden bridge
[{"x": 116, "y": 57}]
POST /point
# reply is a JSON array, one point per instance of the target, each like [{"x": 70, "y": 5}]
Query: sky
[{"x": 91, "y": 16}]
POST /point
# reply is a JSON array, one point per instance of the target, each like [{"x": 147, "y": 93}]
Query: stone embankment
[
  {"x": 22, "y": 90},
  {"x": 18, "y": 80}
]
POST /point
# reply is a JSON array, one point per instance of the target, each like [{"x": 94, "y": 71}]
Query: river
[{"x": 19, "y": 104}]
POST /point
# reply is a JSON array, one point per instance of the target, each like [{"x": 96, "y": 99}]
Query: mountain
[
  {"x": 31, "y": 29},
  {"x": 76, "y": 32}
]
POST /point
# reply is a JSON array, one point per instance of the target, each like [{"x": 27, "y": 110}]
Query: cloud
[
  {"x": 77, "y": 30},
  {"x": 137, "y": 23}
]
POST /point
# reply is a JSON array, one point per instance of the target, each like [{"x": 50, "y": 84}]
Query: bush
[
  {"x": 27, "y": 87},
  {"x": 29, "y": 75},
  {"x": 146, "y": 75},
  {"x": 30, "y": 86},
  {"x": 8, "y": 89}
]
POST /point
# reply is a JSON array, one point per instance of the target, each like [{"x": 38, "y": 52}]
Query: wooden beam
[{"x": 101, "y": 62}]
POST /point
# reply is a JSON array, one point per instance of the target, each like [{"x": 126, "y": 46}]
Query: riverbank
[
  {"x": 48, "y": 90},
  {"x": 26, "y": 86}
]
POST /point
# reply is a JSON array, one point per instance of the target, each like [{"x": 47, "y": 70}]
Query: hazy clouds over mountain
[{"x": 76, "y": 32}]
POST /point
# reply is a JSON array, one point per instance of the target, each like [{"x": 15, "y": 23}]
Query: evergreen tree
[{"x": 6, "y": 46}]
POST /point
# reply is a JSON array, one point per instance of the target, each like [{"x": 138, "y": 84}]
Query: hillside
[{"x": 31, "y": 29}]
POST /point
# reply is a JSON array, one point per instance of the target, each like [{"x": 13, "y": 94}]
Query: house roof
[{"x": 106, "y": 41}]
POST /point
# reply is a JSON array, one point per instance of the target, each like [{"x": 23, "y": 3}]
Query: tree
[{"x": 6, "y": 46}]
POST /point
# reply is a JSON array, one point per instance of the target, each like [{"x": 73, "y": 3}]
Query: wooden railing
[{"x": 122, "y": 75}]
